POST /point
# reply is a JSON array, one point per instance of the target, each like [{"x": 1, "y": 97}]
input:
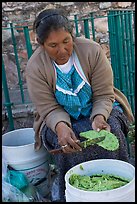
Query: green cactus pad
[{"x": 110, "y": 142}]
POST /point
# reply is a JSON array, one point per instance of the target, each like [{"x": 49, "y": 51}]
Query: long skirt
[{"x": 119, "y": 126}]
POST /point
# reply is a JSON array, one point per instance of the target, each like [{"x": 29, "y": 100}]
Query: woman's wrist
[{"x": 100, "y": 117}]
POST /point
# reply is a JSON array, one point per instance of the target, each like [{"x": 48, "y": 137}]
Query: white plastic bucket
[
  {"x": 18, "y": 150},
  {"x": 102, "y": 166}
]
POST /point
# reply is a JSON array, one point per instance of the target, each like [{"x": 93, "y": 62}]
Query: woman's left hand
[{"x": 99, "y": 123}]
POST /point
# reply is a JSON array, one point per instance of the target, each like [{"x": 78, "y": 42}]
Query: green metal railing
[
  {"x": 8, "y": 104},
  {"x": 122, "y": 50},
  {"x": 28, "y": 43},
  {"x": 17, "y": 61}
]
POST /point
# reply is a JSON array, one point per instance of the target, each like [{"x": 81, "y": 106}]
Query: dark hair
[{"x": 49, "y": 20}]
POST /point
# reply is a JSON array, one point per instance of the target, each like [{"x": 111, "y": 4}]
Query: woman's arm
[
  {"x": 102, "y": 85},
  {"x": 42, "y": 95}
]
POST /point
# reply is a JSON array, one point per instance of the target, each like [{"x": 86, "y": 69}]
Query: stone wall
[{"x": 15, "y": 11}]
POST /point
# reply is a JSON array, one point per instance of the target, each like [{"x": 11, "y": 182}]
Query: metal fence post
[
  {"x": 7, "y": 103},
  {"x": 93, "y": 27},
  {"x": 28, "y": 43},
  {"x": 76, "y": 25},
  {"x": 129, "y": 57},
  {"x": 86, "y": 28},
  {"x": 112, "y": 45},
  {"x": 120, "y": 52},
  {"x": 17, "y": 62}
]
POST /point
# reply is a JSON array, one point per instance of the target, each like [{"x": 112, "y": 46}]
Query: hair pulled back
[{"x": 50, "y": 20}]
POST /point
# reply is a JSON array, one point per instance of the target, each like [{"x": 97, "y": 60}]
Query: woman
[{"x": 70, "y": 82}]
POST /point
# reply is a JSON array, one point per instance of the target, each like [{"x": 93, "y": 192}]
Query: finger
[
  {"x": 77, "y": 141},
  {"x": 70, "y": 146},
  {"x": 69, "y": 149},
  {"x": 106, "y": 127},
  {"x": 66, "y": 148},
  {"x": 75, "y": 145},
  {"x": 74, "y": 142}
]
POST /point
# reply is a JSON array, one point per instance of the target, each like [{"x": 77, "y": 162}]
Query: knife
[
  {"x": 83, "y": 144},
  {"x": 89, "y": 142}
]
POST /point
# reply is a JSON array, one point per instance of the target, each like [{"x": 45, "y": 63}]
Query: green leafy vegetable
[
  {"x": 97, "y": 182},
  {"x": 110, "y": 142}
]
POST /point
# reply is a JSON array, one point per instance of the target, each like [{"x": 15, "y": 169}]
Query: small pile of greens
[
  {"x": 110, "y": 142},
  {"x": 97, "y": 182}
]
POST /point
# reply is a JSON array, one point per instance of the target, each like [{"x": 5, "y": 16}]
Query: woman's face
[{"x": 59, "y": 46}]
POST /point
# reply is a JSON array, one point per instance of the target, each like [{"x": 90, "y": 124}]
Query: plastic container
[
  {"x": 102, "y": 166},
  {"x": 18, "y": 150}
]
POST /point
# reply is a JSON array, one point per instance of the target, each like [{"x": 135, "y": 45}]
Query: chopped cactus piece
[{"x": 97, "y": 182}]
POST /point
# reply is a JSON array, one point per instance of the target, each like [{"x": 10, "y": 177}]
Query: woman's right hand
[{"x": 67, "y": 138}]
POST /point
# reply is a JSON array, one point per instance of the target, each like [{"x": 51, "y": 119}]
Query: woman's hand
[
  {"x": 67, "y": 138},
  {"x": 99, "y": 123}
]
